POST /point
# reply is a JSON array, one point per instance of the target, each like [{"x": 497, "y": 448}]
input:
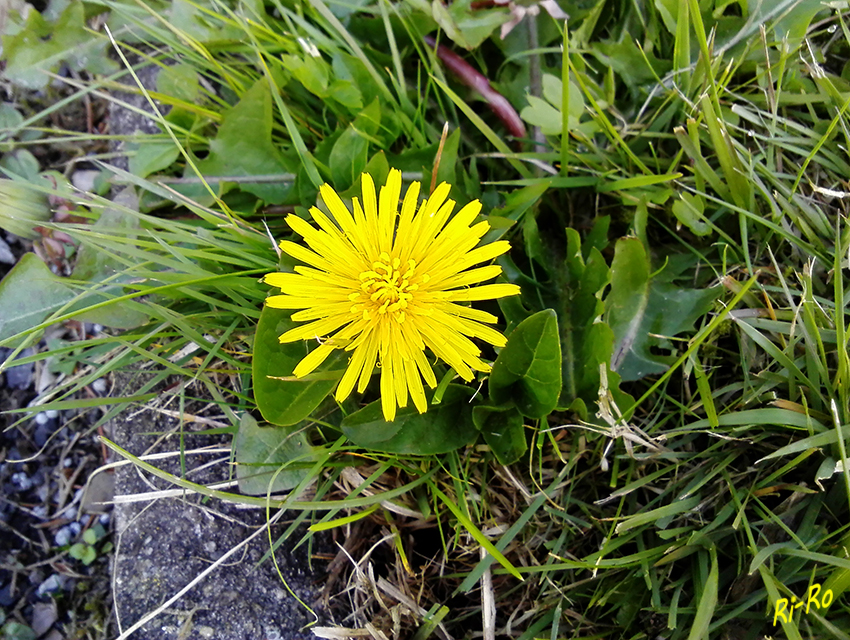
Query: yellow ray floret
[{"x": 383, "y": 283}]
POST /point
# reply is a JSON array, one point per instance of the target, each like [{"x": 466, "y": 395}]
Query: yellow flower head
[{"x": 385, "y": 286}]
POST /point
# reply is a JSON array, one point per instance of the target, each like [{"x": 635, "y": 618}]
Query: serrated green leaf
[
  {"x": 286, "y": 402},
  {"x": 243, "y": 147},
  {"x": 466, "y": 26},
  {"x": 445, "y": 427},
  {"x": 270, "y": 459},
  {"x": 540, "y": 113},
  {"x": 41, "y": 46},
  {"x": 150, "y": 155},
  {"x": 527, "y": 371},
  {"x": 503, "y": 431},
  {"x": 639, "y": 308}
]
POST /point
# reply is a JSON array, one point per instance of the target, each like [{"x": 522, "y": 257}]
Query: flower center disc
[{"x": 385, "y": 288}]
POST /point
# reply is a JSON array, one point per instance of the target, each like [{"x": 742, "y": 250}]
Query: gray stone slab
[{"x": 164, "y": 544}]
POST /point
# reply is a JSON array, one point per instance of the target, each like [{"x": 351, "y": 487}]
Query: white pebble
[
  {"x": 52, "y": 414},
  {"x": 53, "y": 584},
  {"x": 22, "y": 481},
  {"x": 99, "y": 385},
  {"x": 41, "y": 418},
  {"x": 63, "y": 537}
]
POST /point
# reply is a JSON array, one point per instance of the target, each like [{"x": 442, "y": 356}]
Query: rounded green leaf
[
  {"x": 503, "y": 431},
  {"x": 528, "y": 370},
  {"x": 261, "y": 452},
  {"x": 445, "y": 427},
  {"x": 286, "y": 402}
]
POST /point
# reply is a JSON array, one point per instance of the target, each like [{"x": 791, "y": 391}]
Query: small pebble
[
  {"x": 52, "y": 414},
  {"x": 75, "y": 528},
  {"x": 99, "y": 385},
  {"x": 41, "y": 418},
  {"x": 20, "y": 376},
  {"x": 6, "y": 597},
  {"x": 53, "y": 584},
  {"x": 40, "y": 511},
  {"x": 6, "y": 255},
  {"x": 104, "y": 519},
  {"x": 22, "y": 481},
  {"x": 63, "y": 537}
]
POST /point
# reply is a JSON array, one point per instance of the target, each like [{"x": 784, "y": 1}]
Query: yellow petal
[
  {"x": 313, "y": 359},
  {"x": 484, "y": 292}
]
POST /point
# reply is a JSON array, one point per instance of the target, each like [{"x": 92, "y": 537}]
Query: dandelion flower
[{"x": 385, "y": 286}]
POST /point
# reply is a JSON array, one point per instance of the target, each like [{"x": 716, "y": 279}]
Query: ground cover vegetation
[{"x": 658, "y": 449}]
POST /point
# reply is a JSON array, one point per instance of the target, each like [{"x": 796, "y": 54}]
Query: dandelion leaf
[
  {"x": 642, "y": 311},
  {"x": 443, "y": 428},
  {"x": 243, "y": 148},
  {"x": 270, "y": 459},
  {"x": 527, "y": 371},
  {"x": 503, "y": 431},
  {"x": 287, "y": 402}
]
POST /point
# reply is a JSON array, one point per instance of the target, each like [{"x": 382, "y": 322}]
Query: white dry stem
[
  {"x": 339, "y": 633},
  {"x": 488, "y": 602}
]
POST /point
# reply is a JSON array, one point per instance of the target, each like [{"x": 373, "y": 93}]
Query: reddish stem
[{"x": 473, "y": 79}]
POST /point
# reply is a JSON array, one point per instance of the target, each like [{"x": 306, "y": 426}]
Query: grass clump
[{"x": 660, "y": 450}]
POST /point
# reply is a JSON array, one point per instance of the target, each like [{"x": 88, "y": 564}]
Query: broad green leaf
[
  {"x": 287, "y": 402},
  {"x": 689, "y": 210},
  {"x": 150, "y": 154},
  {"x": 22, "y": 208},
  {"x": 466, "y": 26},
  {"x": 638, "y": 308},
  {"x": 243, "y": 147},
  {"x": 14, "y": 630},
  {"x": 21, "y": 162},
  {"x": 547, "y": 114},
  {"x": 527, "y": 371},
  {"x": 445, "y": 427},
  {"x": 585, "y": 343},
  {"x": 95, "y": 266},
  {"x": 28, "y": 294},
  {"x": 313, "y": 73},
  {"x": 179, "y": 81},
  {"x": 10, "y": 117},
  {"x": 348, "y": 158},
  {"x": 270, "y": 459},
  {"x": 540, "y": 113},
  {"x": 347, "y": 94},
  {"x": 503, "y": 431},
  {"x": 41, "y": 46},
  {"x": 350, "y": 151}
]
